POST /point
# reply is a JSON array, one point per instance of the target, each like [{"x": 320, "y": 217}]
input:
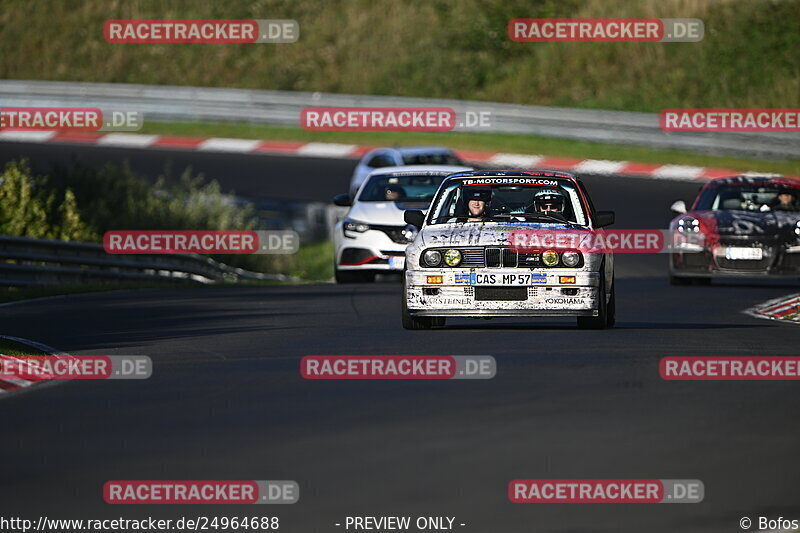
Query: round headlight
[
  {"x": 432, "y": 257},
  {"x": 570, "y": 259},
  {"x": 550, "y": 258},
  {"x": 452, "y": 258}
]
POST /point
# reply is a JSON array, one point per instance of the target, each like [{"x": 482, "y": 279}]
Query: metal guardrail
[
  {"x": 37, "y": 262},
  {"x": 283, "y": 108}
]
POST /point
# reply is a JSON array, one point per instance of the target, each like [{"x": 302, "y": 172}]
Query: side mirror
[
  {"x": 414, "y": 218},
  {"x": 679, "y": 207},
  {"x": 342, "y": 200},
  {"x": 604, "y": 218}
]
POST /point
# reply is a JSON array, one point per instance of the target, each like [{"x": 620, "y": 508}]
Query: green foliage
[
  {"x": 81, "y": 204},
  {"x": 29, "y": 207}
]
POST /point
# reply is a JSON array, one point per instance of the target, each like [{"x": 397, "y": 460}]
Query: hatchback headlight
[
  {"x": 354, "y": 226},
  {"x": 570, "y": 259},
  {"x": 452, "y": 258},
  {"x": 431, "y": 258},
  {"x": 550, "y": 258}
]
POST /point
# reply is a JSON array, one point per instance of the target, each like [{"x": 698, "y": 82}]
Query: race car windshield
[
  {"x": 769, "y": 197},
  {"x": 509, "y": 203},
  {"x": 400, "y": 188}
]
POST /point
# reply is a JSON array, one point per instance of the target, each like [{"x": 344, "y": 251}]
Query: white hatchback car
[
  {"x": 373, "y": 236},
  {"x": 401, "y": 156}
]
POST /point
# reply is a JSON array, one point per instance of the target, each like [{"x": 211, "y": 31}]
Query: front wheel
[
  {"x": 417, "y": 322},
  {"x": 606, "y": 314}
]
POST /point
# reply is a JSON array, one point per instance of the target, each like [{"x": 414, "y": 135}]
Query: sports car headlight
[
  {"x": 452, "y": 258},
  {"x": 354, "y": 226},
  {"x": 689, "y": 225},
  {"x": 797, "y": 229},
  {"x": 550, "y": 258},
  {"x": 431, "y": 258},
  {"x": 570, "y": 259}
]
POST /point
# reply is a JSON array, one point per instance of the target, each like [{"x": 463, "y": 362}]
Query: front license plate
[
  {"x": 500, "y": 279},
  {"x": 736, "y": 252},
  {"x": 397, "y": 262}
]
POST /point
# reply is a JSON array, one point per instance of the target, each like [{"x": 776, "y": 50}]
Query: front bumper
[
  {"x": 372, "y": 250},
  {"x": 777, "y": 262},
  {"x": 458, "y": 295}
]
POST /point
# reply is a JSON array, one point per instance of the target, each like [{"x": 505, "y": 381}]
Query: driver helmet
[
  {"x": 484, "y": 195},
  {"x": 549, "y": 200}
]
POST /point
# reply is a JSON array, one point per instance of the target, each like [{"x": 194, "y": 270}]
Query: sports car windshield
[
  {"x": 509, "y": 203},
  {"x": 768, "y": 197},
  {"x": 419, "y": 188}
]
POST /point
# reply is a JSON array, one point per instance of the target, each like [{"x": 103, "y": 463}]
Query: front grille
[
  {"x": 396, "y": 233},
  {"x": 749, "y": 265},
  {"x": 493, "y": 257},
  {"x": 505, "y": 294},
  {"x": 471, "y": 257},
  {"x": 501, "y": 257}
]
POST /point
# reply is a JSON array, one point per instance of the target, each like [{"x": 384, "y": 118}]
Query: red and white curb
[
  {"x": 354, "y": 151},
  {"x": 14, "y": 384},
  {"x": 785, "y": 309}
]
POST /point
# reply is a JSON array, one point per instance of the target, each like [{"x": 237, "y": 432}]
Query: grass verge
[{"x": 488, "y": 142}]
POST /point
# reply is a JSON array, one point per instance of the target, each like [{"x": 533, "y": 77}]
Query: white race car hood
[
  {"x": 477, "y": 234},
  {"x": 382, "y": 213}
]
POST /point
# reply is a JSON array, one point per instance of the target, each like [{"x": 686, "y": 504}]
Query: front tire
[
  {"x": 606, "y": 314},
  {"x": 413, "y": 322}
]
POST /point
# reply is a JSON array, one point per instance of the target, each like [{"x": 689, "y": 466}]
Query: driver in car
[
  {"x": 394, "y": 193},
  {"x": 549, "y": 202},
  {"x": 477, "y": 201},
  {"x": 785, "y": 201}
]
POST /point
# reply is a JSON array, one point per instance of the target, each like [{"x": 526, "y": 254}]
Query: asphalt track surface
[{"x": 226, "y": 400}]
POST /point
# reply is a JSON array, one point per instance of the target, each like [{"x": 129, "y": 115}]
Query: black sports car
[{"x": 750, "y": 226}]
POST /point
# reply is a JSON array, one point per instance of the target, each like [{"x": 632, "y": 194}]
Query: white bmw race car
[
  {"x": 373, "y": 236},
  {"x": 462, "y": 262}
]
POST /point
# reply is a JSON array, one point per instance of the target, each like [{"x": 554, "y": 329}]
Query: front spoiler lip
[{"x": 475, "y": 313}]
